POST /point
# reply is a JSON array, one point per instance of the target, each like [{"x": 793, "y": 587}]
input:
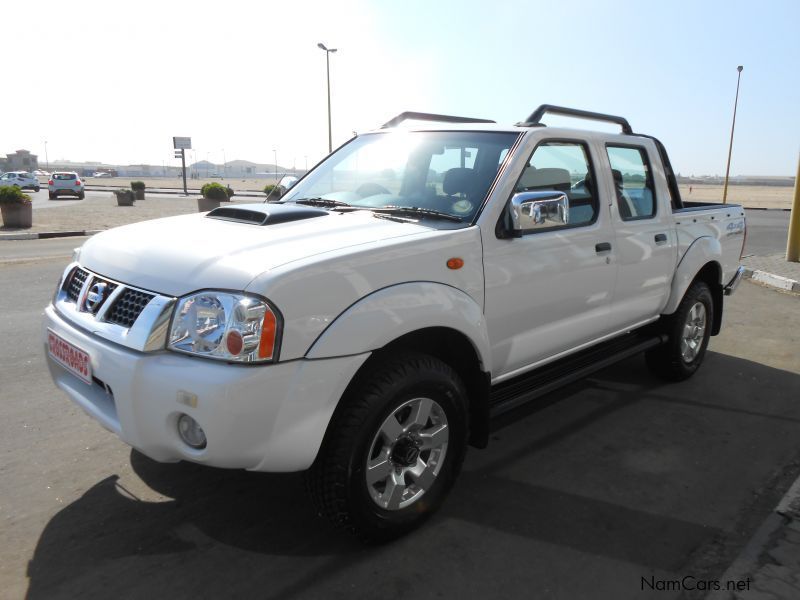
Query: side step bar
[{"x": 511, "y": 394}]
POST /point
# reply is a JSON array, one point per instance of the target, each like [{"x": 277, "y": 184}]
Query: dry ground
[
  {"x": 750, "y": 196},
  {"x": 177, "y": 182}
]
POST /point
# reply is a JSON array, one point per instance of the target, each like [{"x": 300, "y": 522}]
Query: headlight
[{"x": 225, "y": 326}]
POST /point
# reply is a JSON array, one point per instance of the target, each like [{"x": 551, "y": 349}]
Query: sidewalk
[
  {"x": 773, "y": 270},
  {"x": 771, "y": 560}
]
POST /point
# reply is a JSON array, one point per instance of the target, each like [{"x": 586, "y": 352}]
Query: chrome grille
[
  {"x": 114, "y": 311},
  {"x": 76, "y": 281},
  {"x": 128, "y": 307}
]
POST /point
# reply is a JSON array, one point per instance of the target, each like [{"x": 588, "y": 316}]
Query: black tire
[
  {"x": 36, "y": 189},
  {"x": 51, "y": 196},
  {"x": 337, "y": 481},
  {"x": 81, "y": 196},
  {"x": 673, "y": 361}
]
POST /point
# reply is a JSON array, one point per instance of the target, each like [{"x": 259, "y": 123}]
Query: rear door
[{"x": 646, "y": 245}]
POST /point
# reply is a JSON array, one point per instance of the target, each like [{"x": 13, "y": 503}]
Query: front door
[{"x": 549, "y": 291}]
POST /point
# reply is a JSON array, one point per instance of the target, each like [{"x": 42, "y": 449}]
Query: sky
[{"x": 114, "y": 81}]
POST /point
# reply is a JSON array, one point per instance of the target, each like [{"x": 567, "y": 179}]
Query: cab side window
[
  {"x": 633, "y": 182},
  {"x": 564, "y": 167}
]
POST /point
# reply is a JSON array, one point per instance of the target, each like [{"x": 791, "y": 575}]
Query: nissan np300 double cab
[{"x": 369, "y": 324}]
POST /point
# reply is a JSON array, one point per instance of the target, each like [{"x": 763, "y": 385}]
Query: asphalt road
[
  {"x": 610, "y": 480},
  {"x": 767, "y": 231}
]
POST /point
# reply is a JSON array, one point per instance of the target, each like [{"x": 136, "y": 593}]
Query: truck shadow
[{"x": 231, "y": 533}]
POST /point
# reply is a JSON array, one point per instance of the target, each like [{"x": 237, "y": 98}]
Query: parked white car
[
  {"x": 415, "y": 284},
  {"x": 65, "y": 183},
  {"x": 20, "y": 179}
]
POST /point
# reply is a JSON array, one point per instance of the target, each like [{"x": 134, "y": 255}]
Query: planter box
[
  {"x": 124, "y": 197},
  {"x": 139, "y": 194},
  {"x": 17, "y": 215},
  {"x": 206, "y": 204}
]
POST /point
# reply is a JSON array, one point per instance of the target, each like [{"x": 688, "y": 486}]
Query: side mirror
[
  {"x": 284, "y": 185},
  {"x": 287, "y": 182},
  {"x": 538, "y": 211}
]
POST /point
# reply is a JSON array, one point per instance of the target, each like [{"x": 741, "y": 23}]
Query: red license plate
[{"x": 72, "y": 358}]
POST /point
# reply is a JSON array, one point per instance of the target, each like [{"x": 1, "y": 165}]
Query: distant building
[{"x": 21, "y": 160}]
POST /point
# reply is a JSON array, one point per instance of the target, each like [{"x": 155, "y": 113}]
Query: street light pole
[
  {"x": 328, "y": 52},
  {"x": 733, "y": 125},
  {"x": 46, "y": 160},
  {"x": 275, "y": 154}
]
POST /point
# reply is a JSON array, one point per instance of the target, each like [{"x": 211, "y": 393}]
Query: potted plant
[
  {"x": 138, "y": 189},
  {"x": 212, "y": 195},
  {"x": 271, "y": 191},
  {"x": 16, "y": 207},
  {"x": 125, "y": 197}
]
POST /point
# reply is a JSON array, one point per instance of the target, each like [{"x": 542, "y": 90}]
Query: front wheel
[
  {"x": 689, "y": 330},
  {"x": 36, "y": 189},
  {"x": 393, "y": 450}
]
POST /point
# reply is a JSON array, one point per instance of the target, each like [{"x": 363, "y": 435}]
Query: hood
[{"x": 178, "y": 255}]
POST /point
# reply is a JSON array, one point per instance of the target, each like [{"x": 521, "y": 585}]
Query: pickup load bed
[{"x": 368, "y": 325}]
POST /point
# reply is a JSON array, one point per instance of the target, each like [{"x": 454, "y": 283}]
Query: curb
[
  {"x": 43, "y": 235},
  {"x": 772, "y": 280}
]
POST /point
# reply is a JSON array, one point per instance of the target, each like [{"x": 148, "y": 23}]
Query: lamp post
[
  {"x": 46, "y": 161},
  {"x": 733, "y": 125},
  {"x": 275, "y": 155},
  {"x": 328, "y": 52}
]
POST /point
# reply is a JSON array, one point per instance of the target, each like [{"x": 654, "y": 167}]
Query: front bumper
[{"x": 256, "y": 417}]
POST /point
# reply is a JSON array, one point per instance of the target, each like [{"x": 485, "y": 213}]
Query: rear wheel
[
  {"x": 81, "y": 196},
  {"x": 51, "y": 196},
  {"x": 393, "y": 450},
  {"x": 36, "y": 189},
  {"x": 689, "y": 330}
]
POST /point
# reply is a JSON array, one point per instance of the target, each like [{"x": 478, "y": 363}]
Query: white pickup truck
[{"x": 369, "y": 324}]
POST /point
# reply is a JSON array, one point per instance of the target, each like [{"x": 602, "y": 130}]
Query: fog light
[{"x": 191, "y": 432}]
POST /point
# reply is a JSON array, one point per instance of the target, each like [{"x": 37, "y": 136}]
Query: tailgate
[{"x": 65, "y": 184}]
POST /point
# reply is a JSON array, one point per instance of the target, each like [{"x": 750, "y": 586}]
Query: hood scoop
[{"x": 265, "y": 214}]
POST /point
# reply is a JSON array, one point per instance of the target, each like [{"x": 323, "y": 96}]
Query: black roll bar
[
  {"x": 536, "y": 116},
  {"x": 418, "y": 116}
]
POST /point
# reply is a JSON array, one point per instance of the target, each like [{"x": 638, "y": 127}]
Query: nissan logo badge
[{"x": 95, "y": 297}]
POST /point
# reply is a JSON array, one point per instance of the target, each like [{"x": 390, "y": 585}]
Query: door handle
[
  {"x": 661, "y": 238},
  {"x": 602, "y": 247}
]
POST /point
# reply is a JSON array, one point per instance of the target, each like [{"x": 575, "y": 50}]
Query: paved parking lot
[{"x": 610, "y": 480}]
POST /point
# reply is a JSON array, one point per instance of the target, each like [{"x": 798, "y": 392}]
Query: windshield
[{"x": 443, "y": 171}]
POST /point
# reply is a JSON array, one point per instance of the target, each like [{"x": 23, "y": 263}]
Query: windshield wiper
[
  {"x": 414, "y": 210},
  {"x": 324, "y": 202}
]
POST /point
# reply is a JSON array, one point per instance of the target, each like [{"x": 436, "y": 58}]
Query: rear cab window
[{"x": 64, "y": 176}]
